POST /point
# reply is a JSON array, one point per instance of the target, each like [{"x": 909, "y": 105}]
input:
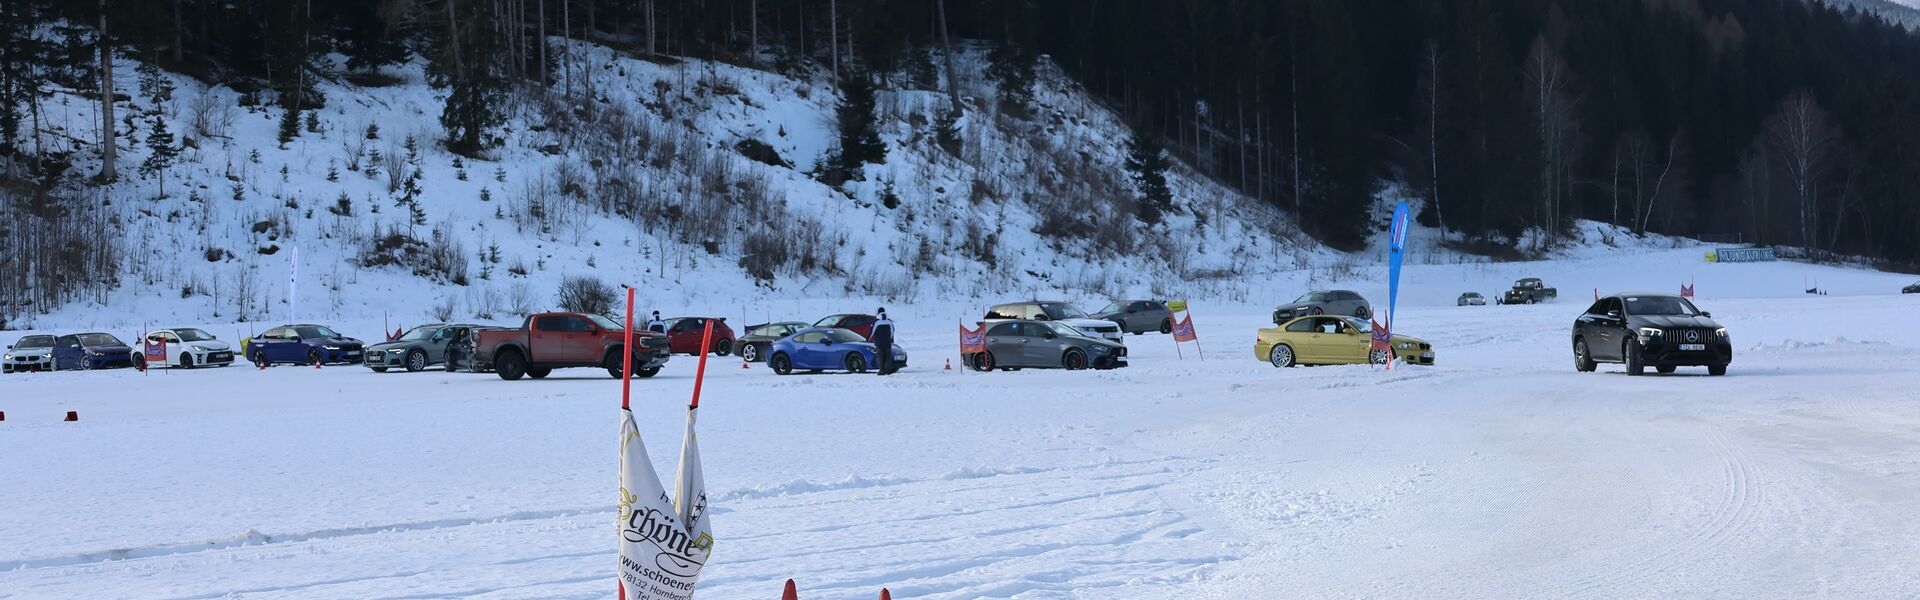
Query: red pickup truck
[{"x": 549, "y": 341}]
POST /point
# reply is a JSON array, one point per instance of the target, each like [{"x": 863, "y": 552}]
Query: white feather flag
[{"x": 664, "y": 541}]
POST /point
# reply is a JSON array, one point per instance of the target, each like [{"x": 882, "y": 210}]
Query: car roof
[{"x": 1639, "y": 294}]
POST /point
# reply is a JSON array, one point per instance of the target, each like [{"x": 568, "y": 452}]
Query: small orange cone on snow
[
  {"x": 949, "y": 364},
  {"x": 73, "y": 416},
  {"x": 744, "y": 365},
  {"x": 790, "y": 594}
]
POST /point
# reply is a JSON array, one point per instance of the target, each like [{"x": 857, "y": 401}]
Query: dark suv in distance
[{"x": 1662, "y": 331}]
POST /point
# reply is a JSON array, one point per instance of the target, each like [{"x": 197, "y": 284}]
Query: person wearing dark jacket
[
  {"x": 656, "y": 325},
  {"x": 883, "y": 341}
]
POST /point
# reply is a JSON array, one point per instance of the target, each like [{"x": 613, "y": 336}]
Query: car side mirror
[
  {"x": 1706, "y": 314},
  {"x": 1049, "y": 335},
  {"x": 1613, "y": 314}
]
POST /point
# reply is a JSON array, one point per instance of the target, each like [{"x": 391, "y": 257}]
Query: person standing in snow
[
  {"x": 656, "y": 325},
  {"x": 883, "y": 341}
]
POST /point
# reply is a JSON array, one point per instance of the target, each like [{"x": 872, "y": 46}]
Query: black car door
[{"x": 1607, "y": 330}]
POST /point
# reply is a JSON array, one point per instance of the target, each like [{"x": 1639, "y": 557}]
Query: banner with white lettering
[{"x": 664, "y": 540}]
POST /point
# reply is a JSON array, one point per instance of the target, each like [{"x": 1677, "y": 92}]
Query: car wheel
[
  {"x": 1529, "y": 299},
  {"x": 1363, "y": 312},
  {"x": 781, "y": 364},
  {"x": 613, "y": 364},
  {"x": 378, "y": 369},
  {"x": 983, "y": 362},
  {"x": 416, "y": 361},
  {"x": 1166, "y": 326},
  {"x": 186, "y": 360},
  {"x": 1380, "y": 357},
  {"x": 86, "y": 364},
  {"x": 1281, "y": 356},
  {"x": 1074, "y": 360},
  {"x": 1316, "y": 311},
  {"x": 1632, "y": 354},
  {"x": 723, "y": 347},
  {"x": 1582, "y": 358},
  {"x": 510, "y": 366},
  {"x": 856, "y": 363},
  {"x": 313, "y": 356},
  {"x": 139, "y": 362},
  {"x": 539, "y": 372},
  {"x": 1666, "y": 369},
  {"x": 1716, "y": 370},
  {"x": 750, "y": 353},
  {"x": 260, "y": 359},
  {"x": 647, "y": 372}
]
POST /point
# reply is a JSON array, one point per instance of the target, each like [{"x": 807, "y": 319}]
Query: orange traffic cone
[
  {"x": 744, "y": 365},
  {"x": 949, "y": 364},
  {"x": 73, "y": 416},
  {"x": 316, "y": 362},
  {"x": 790, "y": 593}
]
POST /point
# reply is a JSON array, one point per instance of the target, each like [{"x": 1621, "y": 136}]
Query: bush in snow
[{"x": 581, "y": 293}]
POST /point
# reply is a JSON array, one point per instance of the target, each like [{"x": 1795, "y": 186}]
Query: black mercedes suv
[{"x": 1662, "y": 331}]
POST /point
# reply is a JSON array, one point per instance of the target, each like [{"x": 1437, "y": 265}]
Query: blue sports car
[
  {"x": 303, "y": 345},
  {"x": 821, "y": 348},
  {"x": 90, "y": 351}
]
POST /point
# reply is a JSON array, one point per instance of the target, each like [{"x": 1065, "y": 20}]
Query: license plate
[
  {"x": 1693, "y": 347},
  {"x": 353, "y": 355}
]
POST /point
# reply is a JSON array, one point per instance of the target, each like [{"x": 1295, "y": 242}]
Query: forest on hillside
[{"x": 1779, "y": 121}]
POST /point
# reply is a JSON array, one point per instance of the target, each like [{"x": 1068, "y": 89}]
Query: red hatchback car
[
  {"x": 861, "y": 324},
  {"x": 683, "y": 335}
]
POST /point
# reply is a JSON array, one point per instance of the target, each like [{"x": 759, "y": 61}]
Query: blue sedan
[{"x": 823, "y": 348}]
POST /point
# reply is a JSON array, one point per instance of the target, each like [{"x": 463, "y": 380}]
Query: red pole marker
[
  {"x": 885, "y": 595},
  {"x": 700, "y": 374},
  {"x": 3, "y": 415},
  {"x": 73, "y": 416},
  {"x": 790, "y": 593},
  {"x": 626, "y": 362}
]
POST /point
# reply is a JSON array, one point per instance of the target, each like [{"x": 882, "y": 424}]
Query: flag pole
[
  {"x": 626, "y": 361},
  {"x": 700, "y": 374}
]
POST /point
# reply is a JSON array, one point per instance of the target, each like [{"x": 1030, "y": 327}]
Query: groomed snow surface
[{"x": 1500, "y": 472}]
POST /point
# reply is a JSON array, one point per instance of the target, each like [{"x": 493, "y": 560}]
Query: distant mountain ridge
[{"x": 1903, "y": 12}]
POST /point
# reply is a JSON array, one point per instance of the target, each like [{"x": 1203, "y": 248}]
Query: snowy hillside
[{"x": 647, "y": 181}]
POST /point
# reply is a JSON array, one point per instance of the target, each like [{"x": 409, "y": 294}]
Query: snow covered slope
[{"x": 645, "y": 180}]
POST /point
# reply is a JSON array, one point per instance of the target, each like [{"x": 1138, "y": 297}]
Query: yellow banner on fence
[{"x": 1177, "y": 305}]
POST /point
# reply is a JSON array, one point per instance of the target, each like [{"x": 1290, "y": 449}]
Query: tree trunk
[
  {"x": 108, "y": 142},
  {"x": 541, "y": 6},
  {"x": 753, "y": 31},
  {"x": 946, "y": 49},
  {"x": 1433, "y": 132},
  {"x": 833, "y": 36}
]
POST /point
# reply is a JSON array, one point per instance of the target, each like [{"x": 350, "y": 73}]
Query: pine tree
[
  {"x": 1147, "y": 167},
  {"x": 161, "y": 153},
  {"x": 289, "y": 124},
  {"x": 859, "y": 140},
  {"x": 468, "y": 60}
]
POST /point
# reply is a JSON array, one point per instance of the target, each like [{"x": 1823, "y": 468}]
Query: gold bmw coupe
[{"x": 1333, "y": 340}]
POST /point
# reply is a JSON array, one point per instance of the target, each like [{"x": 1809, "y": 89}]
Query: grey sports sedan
[
  {"x": 1328, "y": 302},
  {"x": 1138, "y": 316},
  {"x": 1020, "y": 344},
  {"x": 418, "y": 348}
]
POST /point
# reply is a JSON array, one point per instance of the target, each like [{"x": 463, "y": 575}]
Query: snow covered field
[{"x": 1500, "y": 472}]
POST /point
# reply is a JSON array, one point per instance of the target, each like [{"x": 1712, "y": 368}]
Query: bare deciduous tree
[{"x": 1804, "y": 140}]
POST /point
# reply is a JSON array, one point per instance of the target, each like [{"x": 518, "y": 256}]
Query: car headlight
[
  {"x": 1720, "y": 333},
  {"x": 92, "y": 353},
  {"x": 1406, "y": 345},
  {"x": 331, "y": 347},
  {"x": 1101, "y": 349},
  {"x": 1650, "y": 332}
]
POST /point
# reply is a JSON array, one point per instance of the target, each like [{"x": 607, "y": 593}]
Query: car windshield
[
  {"x": 1359, "y": 324},
  {"x": 1660, "y": 305},
  {"x": 1524, "y": 283},
  {"x": 193, "y": 335},
  {"x": 844, "y": 336},
  {"x": 418, "y": 333},
  {"x": 1114, "y": 308},
  {"x": 35, "y": 341},
  {"x": 314, "y": 331},
  {"x": 1065, "y": 329},
  {"x": 603, "y": 322},
  {"x": 827, "y": 322},
  {"x": 1062, "y": 311},
  {"x": 774, "y": 330},
  {"x": 98, "y": 339},
  {"x": 1311, "y": 297},
  {"x": 1472, "y": 294}
]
